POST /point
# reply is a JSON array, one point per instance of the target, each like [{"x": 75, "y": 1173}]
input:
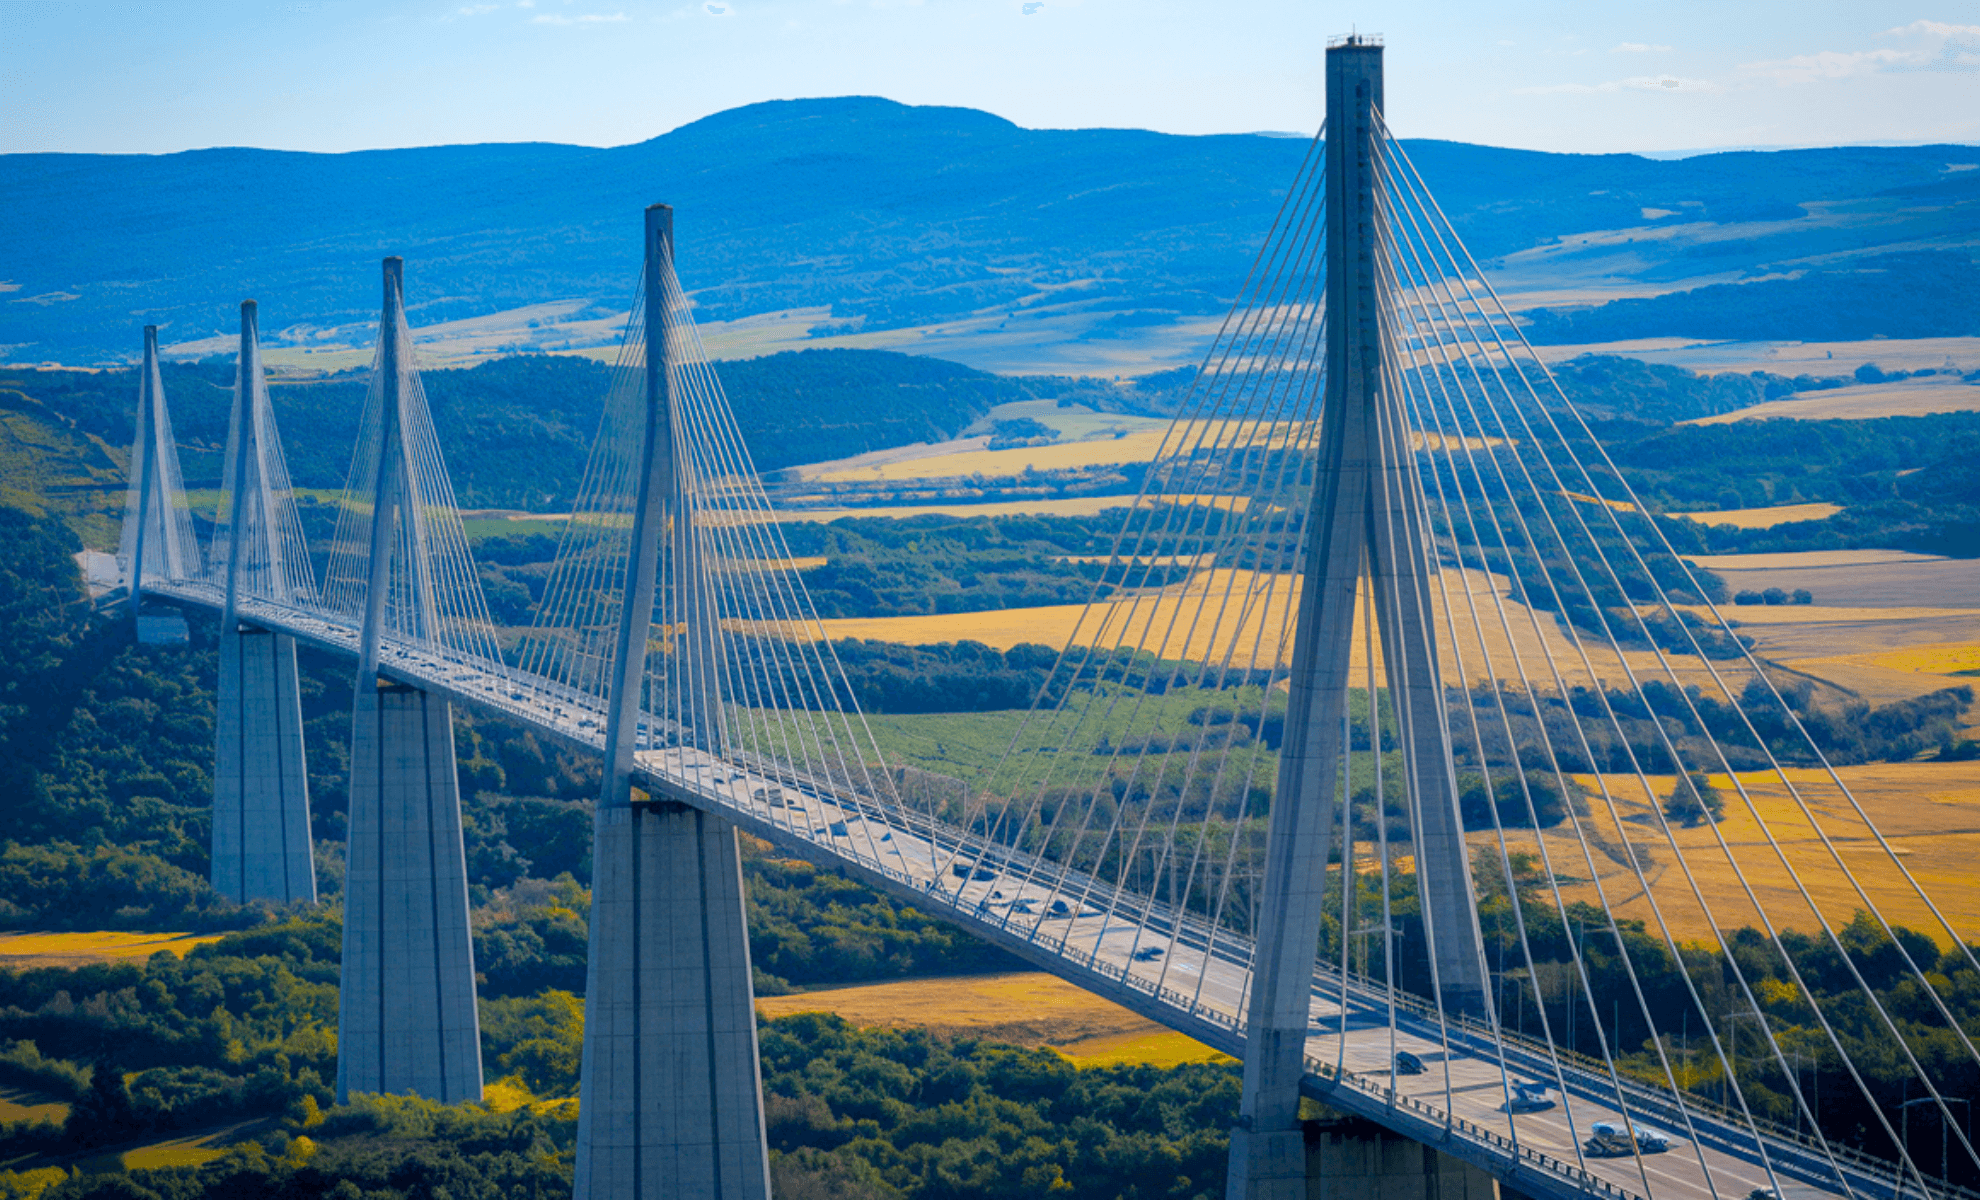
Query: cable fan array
[
  {"x": 1624, "y": 761},
  {"x": 273, "y": 559},
  {"x": 156, "y": 498},
  {"x": 737, "y": 662},
  {"x": 433, "y": 595}
]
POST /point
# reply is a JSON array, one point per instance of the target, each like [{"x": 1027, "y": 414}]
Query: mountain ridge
[{"x": 891, "y": 215}]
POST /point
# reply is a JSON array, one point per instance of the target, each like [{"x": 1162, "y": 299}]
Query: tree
[
  {"x": 103, "y": 1115},
  {"x": 1694, "y": 801}
]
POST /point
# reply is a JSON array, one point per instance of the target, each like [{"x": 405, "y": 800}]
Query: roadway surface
[{"x": 1173, "y": 969}]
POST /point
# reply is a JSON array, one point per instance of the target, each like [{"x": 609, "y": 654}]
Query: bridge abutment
[
  {"x": 261, "y": 836},
  {"x": 671, "y": 1099},
  {"x": 406, "y": 1020}
]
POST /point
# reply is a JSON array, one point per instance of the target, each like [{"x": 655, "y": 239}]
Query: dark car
[
  {"x": 1408, "y": 1064},
  {"x": 1529, "y": 1097}
]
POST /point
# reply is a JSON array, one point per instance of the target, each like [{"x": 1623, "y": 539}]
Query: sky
[{"x": 335, "y": 75}]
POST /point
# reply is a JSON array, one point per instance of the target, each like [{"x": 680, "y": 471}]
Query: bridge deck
[{"x": 1195, "y": 984}]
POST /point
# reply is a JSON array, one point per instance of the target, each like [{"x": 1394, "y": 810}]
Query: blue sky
[{"x": 332, "y": 75}]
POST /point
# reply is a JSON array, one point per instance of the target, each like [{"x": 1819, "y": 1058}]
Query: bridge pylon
[
  {"x": 406, "y": 1020},
  {"x": 157, "y": 540},
  {"x": 261, "y": 833},
  {"x": 672, "y": 1100},
  {"x": 1364, "y": 537}
]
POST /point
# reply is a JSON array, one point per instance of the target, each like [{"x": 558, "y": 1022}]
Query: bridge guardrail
[{"x": 1648, "y": 1100}]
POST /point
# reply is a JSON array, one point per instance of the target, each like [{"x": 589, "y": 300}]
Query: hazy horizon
[{"x": 108, "y": 76}]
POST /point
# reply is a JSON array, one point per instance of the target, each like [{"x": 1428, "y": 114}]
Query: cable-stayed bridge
[{"x": 1386, "y": 658}]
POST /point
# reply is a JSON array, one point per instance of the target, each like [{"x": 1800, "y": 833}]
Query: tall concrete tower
[
  {"x": 406, "y": 1020},
  {"x": 1364, "y": 524},
  {"x": 261, "y": 836},
  {"x": 672, "y": 1098}
]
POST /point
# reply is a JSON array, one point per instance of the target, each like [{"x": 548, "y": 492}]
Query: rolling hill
[{"x": 889, "y": 215}]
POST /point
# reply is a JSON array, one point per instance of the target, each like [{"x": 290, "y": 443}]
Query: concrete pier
[
  {"x": 1351, "y": 1159},
  {"x": 670, "y": 1102},
  {"x": 406, "y": 1019},
  {"x": 261, "y": 836}
]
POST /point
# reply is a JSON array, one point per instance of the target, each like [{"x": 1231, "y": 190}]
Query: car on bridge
[
  {"x": 1529, "y": 1097},
  {"x": 972, "y": 871},
  {"x": 1408, "y": 1064},
  {"x": 1610, "y": 1139}
]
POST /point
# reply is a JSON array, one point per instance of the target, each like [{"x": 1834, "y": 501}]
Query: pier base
[
  {"x": 1352, "y": 1159},
  {"x": 261, "y": 842},
  {"x": 406, "y": 1018},
  {"x": 672, "y": 1100}
]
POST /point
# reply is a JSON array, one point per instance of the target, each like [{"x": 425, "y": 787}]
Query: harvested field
[
  {"x": 1907, "y": 398},
  {"x": 1854, "y": 578},
  {"x": 1129, "y": 445},
  {"x": 1025, "y": 1008},
  {"x": 1879, "y": 678},
  {"x": 1930, "y": 812},
  {"x": 23, "y": 950},
  {"x": 1194, "y": 621},
  {"x": 1139, "y": 446},
  {"x": 1763, "y": 518}
]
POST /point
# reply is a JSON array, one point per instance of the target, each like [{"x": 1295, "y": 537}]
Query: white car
[{"x": 1609, "y": 1139}]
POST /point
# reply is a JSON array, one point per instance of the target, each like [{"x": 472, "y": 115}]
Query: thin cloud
[
  {"x": 1937, "y": 46},
  {"x": 1957, "y": 52},
  {"x": 582, "y": 19},
  {"x": 1829, "y": 64},
  {"x": 1638, "y": 48},
  {"x": 1635, "y": 83}
]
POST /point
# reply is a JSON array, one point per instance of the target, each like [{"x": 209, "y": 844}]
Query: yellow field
[
  {"x": 22, "y": 950},
  {"x": 1930, "y": 813},
  {"x": 1140, "y": 446},
  {"x": 194, "y": 1151},
  {"x": 25, "y": 1104},
  {"x": 1132, "y": 446},
  {"x": 1909, "y": 398},
  {"x": 1247, "y": 616},
  {"x": 1618, "y": 505},
  {"x": 1026, "y": 1009},
  {"x": 1948, "y": 659},
  {"x": 1081, "y": 506},
  {"x": 1763, "y": 518}
]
